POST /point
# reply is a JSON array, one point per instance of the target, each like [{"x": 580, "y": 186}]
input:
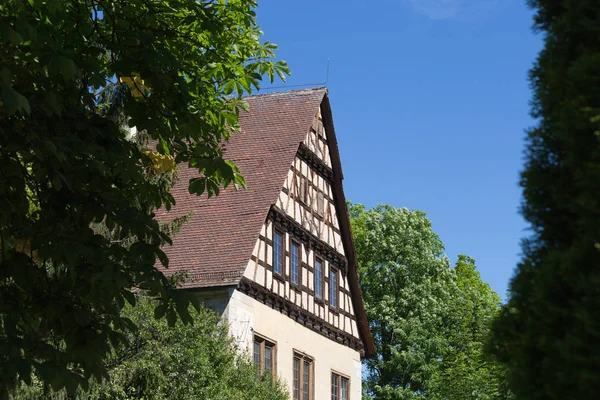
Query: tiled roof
[{"x": 214, "y": 246}]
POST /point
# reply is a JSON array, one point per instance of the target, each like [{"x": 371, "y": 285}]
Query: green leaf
[
  {"x": 6, "y": 76},
  {"x": 197, "y": 186},
  {"x": 14, "y": 101},
  {"x": 160, "y": 311},
  {"x": 9, "y": 35},
  {"x": 163, "y": 146},
  {"x": 63, "y": 66},
  {"x": 53, "y": 102}
]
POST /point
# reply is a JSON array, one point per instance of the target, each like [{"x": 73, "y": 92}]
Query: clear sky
[{"x": 430, "y": 101}]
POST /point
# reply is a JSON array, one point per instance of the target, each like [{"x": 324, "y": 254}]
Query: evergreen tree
[{"x": 549, "y": 332}]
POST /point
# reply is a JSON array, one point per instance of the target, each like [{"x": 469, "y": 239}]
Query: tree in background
[
  {"x": 68, "y": 167},
  {"x": 549, "y": 332},
  {"x": 178, "y": 363},
  {"x": 428, "y": 321},
  {"x": 466, "y": 372}
]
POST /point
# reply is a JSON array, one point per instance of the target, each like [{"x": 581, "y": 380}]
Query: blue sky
[{"x": 430, "y": 101}]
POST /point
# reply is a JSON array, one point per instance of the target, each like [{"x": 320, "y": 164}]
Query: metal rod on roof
[{"x": 303, "y": 84}]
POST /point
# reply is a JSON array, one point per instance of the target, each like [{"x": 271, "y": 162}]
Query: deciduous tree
[
  {"x": 68, "y": 166},
  {"x": 173, "y": 363},
  {"x": 407, "y": 285},
  {"x": 429, "y": 321}
]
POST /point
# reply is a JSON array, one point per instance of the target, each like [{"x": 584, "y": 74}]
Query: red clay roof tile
[{"x": 215, "y": 245}]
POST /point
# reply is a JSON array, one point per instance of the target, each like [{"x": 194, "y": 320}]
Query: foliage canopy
[
  {"x": 549, "y": 332},
  {"x": 178, "y": 363},
  {"x": 428, "y": 321},
  {"x": 68, "y": 166}
]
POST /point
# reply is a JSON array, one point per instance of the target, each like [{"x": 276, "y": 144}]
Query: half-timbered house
[{"x": 277, "y": 259}]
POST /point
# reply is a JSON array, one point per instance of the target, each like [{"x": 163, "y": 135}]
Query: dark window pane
[
  {"x": 303, "y": 189},
  {"x": 334, "y": 387},
  {"x": 296, "y": 379},
  {"x": 344, "y": 389},
  {"x": 320, "y": 204},
  {"x": 318, "y": 278},
  {"x": 306, "y": 381},
  {"x": 295, "y": 263},
  {"x": 277, "y": 252},
  {"x": 268, "y": 358},
  {"x": 256, "y": 353},
  {"x": 333, "y": 288}
]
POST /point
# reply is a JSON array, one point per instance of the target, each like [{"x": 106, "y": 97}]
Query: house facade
[{"x": 277, "y": 259}]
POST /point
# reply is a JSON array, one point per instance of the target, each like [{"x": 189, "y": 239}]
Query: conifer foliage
[{"x": 549, "y": 332}]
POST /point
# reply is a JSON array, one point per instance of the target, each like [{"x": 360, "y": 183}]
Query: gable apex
[{"x": 214, "y": 246}]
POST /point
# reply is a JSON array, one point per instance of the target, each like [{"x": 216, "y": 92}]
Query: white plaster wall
[{"x": 247, "y": 315}]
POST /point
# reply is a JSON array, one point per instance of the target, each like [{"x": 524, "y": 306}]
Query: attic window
[
  {"x": 295, "y": 264},
  {"x": 303, "y": 189},
  {"x": 333, "y": 288},
  {"x": 320, "y": 204},
  {"x": 278, "y": 252},
  {"x": 318, "y": 278}
]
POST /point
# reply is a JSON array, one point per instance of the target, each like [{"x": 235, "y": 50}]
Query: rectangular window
[
  {"x": 335, "y": 390},
  {"x": 333, "y": 288},
  {"x": 320, "y": 204},
  {"x": 278, "y": 252},
  {"x": 320, "y": 147},
  {"x": 256, "y": 352},
  {"x": 264, "y": 355},
  {"x": 340, "y": 386},
  {"x": 303, "y": 189},
  {"x": 306, "y": 380},
  {"x": 318, "y": 278},
  {"x": 303, "y": 377},
  {"x": 296, "y": 378},
  {"x": 295, "y": 263},
  {"x": 344, "y": 389}
]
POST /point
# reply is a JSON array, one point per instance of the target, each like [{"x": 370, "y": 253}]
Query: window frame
[
  {"x": 303, "y": 187},
  {"x": 339, "y": 377},
  {"x": 282, "y": 247},
  {"x": 297, "y": 284},
  {"x": 336, "y": 272},
  {"x": 320, "y": 200},
  {"x": 303, "y": 359},
  {"x": 264, "y": 342},
  {"x": 320, "y": 260}
]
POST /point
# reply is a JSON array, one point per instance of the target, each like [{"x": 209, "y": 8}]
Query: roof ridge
[{"x": 293, "y": 91}]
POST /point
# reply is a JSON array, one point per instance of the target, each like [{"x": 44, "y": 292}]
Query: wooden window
[
  {"x": 295, "y": 264},
  {"x": 319, "y": 274},
  {"x": 264, "y": 355},
  {"x": 320, "y": 204},
  {"x": 303, "y": 195},
  {"x": 302, "y": 378},
  {"x": 340, "y": 387},
  {"x": 320, "y": 147},
  {"x": 278, "y": 252},
  {"x": 333, "y": 287}
]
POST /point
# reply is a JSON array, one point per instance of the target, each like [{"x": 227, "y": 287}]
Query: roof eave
[{"x": 344, "y": 220}]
